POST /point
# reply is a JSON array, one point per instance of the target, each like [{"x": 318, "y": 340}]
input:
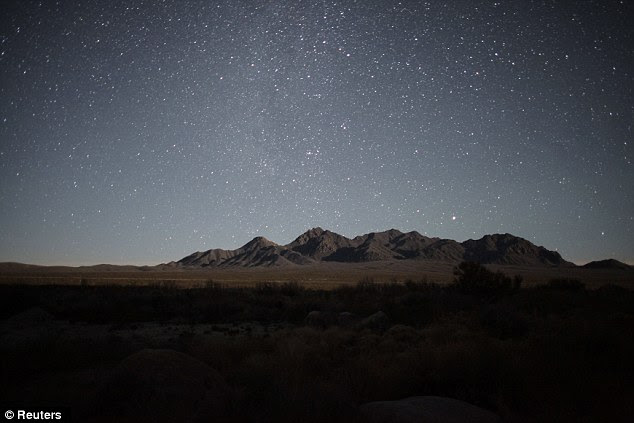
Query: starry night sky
[{"x": 141, "y": 131}]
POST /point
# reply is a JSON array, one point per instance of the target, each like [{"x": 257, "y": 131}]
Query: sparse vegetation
[
  {"x": 552, "y": 353},
  {"x": 474, "y": 278},
  {"x": 566, "y": 284}
]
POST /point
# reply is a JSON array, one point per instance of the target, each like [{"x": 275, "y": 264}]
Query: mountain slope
[
  {"x": 257, "y": 252},
  {"x": 317, "y": 245},
  {"x": 509, "y": 249},
  {"x": 607, "y": 264}
]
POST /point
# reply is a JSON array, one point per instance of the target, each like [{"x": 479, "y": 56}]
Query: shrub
[
  {"x": 566, "y": 284},
  {"x": 473, "y": 278},
  {"x": 291, "y": 289},
  {"x": 212, "y": 285},
  {"x": 366, "y": 284},
  {"x": 503, "y": 321},
  {"x": 264, "y": 288}
]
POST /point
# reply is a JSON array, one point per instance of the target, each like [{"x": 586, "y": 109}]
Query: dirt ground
[{"x": 321, "y": 276}]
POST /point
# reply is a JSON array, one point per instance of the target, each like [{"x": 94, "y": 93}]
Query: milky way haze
[{"x": 141, "y": 131}]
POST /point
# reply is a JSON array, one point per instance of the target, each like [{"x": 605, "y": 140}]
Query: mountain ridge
[
  {"x": 608, "y": 264},
  {"x": 321, "y": 245}
]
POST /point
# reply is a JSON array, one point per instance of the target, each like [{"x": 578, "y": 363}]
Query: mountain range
[{"x": 319, "y": 245}]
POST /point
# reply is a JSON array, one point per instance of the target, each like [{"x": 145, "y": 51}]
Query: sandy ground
[{"x": 321, "y": 276}]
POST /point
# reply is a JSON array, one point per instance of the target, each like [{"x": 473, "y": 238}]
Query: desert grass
[
  {"x": 556, "y": 352},
  {"x": 324, "y": 276}
]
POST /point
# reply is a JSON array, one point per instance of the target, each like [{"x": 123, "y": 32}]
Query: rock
[
  {"x": 376, "y": 321},
  {"x": 425, "y": 410},
  {"x": 320, "y": 319},
  {"x": 347, "y": 319},
  {"x": 31, "y": 328},
  {"x": 403, "y": 334},
  {"x": 30, "y": 317},
  {"x": 164, "y": 385}
]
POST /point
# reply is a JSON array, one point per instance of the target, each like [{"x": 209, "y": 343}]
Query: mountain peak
[
  {"x": 317, "y": 245},
  {"x": 260, "y": 242},
  {"x": 316, "y": 231},
  {"x": 608, "y": 264},
  {"x": 510, "y": 249},
  {"x": 309, "y": 234}
]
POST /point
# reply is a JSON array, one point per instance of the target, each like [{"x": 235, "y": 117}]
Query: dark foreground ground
[{"x": 549, "y": 353}]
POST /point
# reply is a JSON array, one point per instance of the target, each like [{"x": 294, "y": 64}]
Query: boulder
[
  {"x": 376, "y": 321},
  {"x": 347, "y": 319},
  {"x": 30, "y": 317},
  {"x": 164, "y": 385},
  {"x": 425, "y": 410},
  {"x": 31, "y": 328},
  {"x": 320, "y": 319},
  {"x": 403, "y": 334}
]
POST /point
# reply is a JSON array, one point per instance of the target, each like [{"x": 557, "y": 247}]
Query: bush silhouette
[
  {"x": 566, "y": 284},
  {"x": 473, "y": 278}
]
